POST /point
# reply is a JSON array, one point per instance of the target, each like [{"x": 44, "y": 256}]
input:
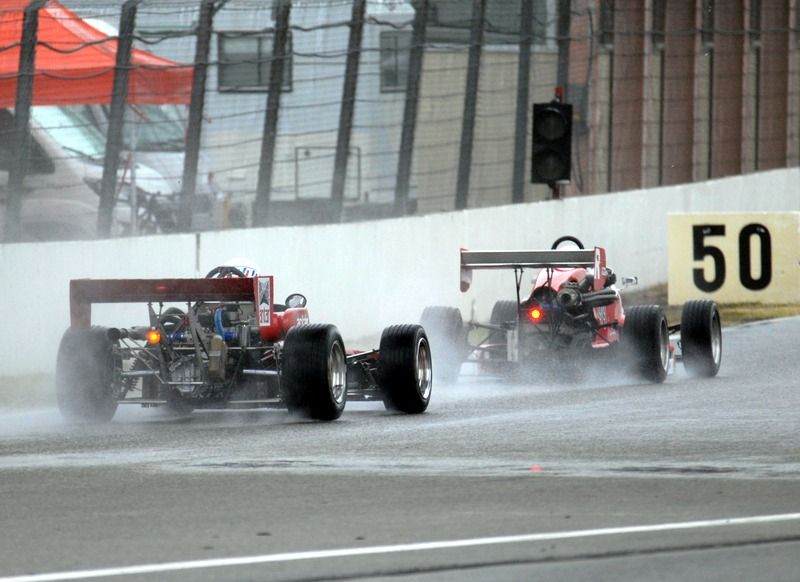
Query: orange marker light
[
  {"x": 153, "y": 336},
  {"x": 535, "y": 314}
]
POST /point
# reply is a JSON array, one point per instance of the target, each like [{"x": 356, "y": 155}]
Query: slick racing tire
[
  {"x": 404, "y": 368},
  {"x": 701, "y": 338},
  {"x": 646, "y": 337},
  {"x": 314, "y": 371},
  {"x": 504, "y": 311},
  {"x": 85, "y": 375},
  {"x": 448, "y": 341}
]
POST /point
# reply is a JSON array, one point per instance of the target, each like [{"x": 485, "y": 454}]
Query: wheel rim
[
  {"x": 716, "y": 339},
  {"x": 663, "y": 344},
  {"x": 337, "y": 373},
  {"x": 424, "y": 369}
]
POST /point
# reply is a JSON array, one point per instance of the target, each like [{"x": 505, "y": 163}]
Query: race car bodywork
[
  {"x": 572, "y": 315},
  {"x": 227, "y": 345}
]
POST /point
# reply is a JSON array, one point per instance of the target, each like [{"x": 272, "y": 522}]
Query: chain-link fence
[{"x": 171, "y": 115}]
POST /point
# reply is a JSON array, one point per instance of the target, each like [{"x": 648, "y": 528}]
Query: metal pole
[
  {"x": 264, "y": 188},
  {"x": 410, "y": 111},
  {"x": 564, "y": 19},
  {"x": 348, "y": 106},
  {"x": 196, "y": 106},
  {"x": 22, "y": 114},
  {"x": 116, "y": 117},
  {"x": 523, "y": 90},
  {"x": 470, "y": 103},
  {"x": 133, "y": 199}
]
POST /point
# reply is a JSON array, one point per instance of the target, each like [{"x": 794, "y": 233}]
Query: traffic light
[{"x": 551, "y": 154}]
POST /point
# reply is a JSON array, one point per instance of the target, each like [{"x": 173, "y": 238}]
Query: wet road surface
[{"x": 610, "y": 479}]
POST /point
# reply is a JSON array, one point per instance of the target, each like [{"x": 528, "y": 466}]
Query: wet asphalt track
[{"x": 567, "y": 466}]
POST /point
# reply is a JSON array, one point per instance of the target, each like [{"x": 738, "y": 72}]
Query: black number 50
[{"x": 701, "y": 250}]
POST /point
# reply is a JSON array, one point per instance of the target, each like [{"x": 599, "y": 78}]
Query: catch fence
[{"x": 308, "y": 111}]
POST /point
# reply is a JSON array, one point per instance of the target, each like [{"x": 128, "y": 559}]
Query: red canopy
[{"x": 70, "y": 72}]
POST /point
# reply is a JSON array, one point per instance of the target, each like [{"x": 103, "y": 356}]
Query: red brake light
[{"x": 535, "y": 314}]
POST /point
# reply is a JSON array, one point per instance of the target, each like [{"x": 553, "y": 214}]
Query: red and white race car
[
  {"x": 221, "y": 342},
  {"x": 573, "y": 315}
]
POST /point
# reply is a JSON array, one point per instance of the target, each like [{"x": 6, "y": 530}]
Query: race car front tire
[
  {"x": 448, "y": 340},
  {"x": 85, "y": 369},
  {"x": 405, "y": 372},
  {"x": 701, "y": 338},
  {"x": 646, "y": 336},
  {"x": 314, "y": 371}
]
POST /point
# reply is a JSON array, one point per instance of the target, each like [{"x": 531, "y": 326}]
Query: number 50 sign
[{"x": 734, "y": 257}]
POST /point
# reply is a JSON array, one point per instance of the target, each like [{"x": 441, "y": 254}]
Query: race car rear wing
[
  {"x": 84, "y": 292},
  {"x": 550, "y": 259}
]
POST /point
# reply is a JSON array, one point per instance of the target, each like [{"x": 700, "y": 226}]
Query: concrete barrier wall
[{"x": 364, "y": 276}]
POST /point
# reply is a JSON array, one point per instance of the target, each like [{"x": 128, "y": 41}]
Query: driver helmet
[{"x": 245, "y": 265}]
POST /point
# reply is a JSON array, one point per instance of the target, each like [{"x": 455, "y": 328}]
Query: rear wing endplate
[
  {"x": 549, "y": 259},
  {"x": 84, "y": 292}
]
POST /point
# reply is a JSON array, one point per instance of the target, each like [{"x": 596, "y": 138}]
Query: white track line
[{"x": 442, "y": 545}]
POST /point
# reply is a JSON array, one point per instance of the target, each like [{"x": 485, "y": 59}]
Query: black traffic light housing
[{"x": 551, "y": 153}]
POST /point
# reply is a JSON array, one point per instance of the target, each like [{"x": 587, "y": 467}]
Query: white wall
[{"x": 364, "y": 276}]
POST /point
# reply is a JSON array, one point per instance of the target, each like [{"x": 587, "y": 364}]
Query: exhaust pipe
[
  {"x": 136, "y": 333},
  {"x": 571, "y": 298}
]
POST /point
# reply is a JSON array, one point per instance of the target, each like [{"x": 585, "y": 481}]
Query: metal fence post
[
  {"x": 196, "y": 106},
  {"x": 410, "y": 110},
  {"x": 523, "y": 83},
  {"x": 22, "y": 114},
  {"x": 348, "y": 106},
  {"x": 116, "y": 119},
  {"x": 266, "y": 163},
  {"x": 564, "y": 20},
  {"x": 470, "y": 103}
]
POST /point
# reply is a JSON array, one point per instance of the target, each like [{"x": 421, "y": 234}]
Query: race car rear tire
[
  {"x": 405, "y": 373},
  {"x": 646, "y": 336},
  {"x": 85, "y": 370},
  {"x": 448, "y": 341},
  {"x": 701, "y": 338},
  {"x": 314, "y": 371},
  {"x": 504, "y": 311}
]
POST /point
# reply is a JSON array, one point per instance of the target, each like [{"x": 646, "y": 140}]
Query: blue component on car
[
  {"x": 227, "y": 335},
  {"x": 178, "y": 336}
]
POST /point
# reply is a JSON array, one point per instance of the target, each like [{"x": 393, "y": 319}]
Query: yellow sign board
[{"x": 750, "y": 257}]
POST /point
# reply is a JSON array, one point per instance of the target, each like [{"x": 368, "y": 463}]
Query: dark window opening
[
  {"x": 754, "y": 30},
  {"x": 659, "y": 23},
  {"x": 607, "y": 23},
  {"x": 245, "y": 60},
  {"x": 449, "y": 21},
  {"x": 707, "y": 24},
  {"x": 395, "y": 53}
]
